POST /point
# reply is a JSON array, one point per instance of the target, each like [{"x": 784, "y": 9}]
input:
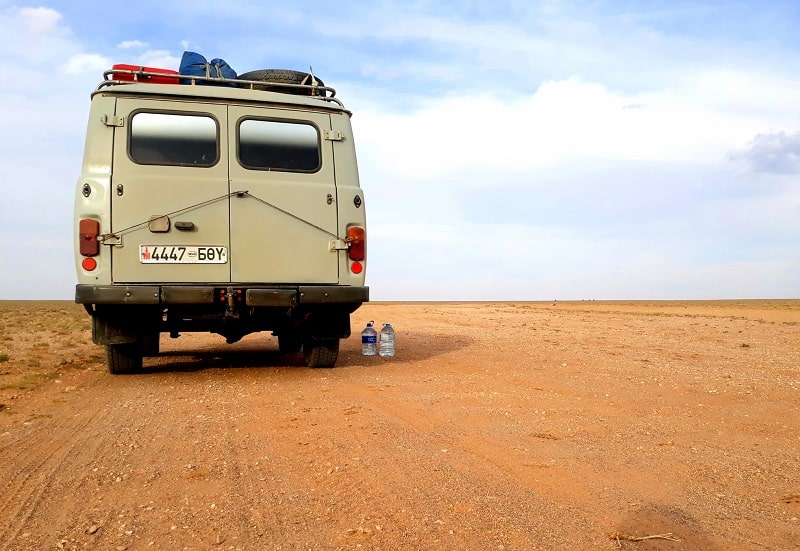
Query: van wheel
[
  {"x": 150, "y": 344},
  {"x": 290, "y": 342},
  {"x": 124, "y": 358},
  {"x": 320, "y": 352}
]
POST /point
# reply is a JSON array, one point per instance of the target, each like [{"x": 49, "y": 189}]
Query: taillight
[
  {"x": 89, "y": 264},
  {"x": 229, "y": 295},
  {"x": 356, "y": 240},
  {"x": 88, "y": 230}
]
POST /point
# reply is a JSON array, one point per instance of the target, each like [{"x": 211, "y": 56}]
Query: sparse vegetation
[
  {"x": 31, "y": 380},
  {"x": 47, "y": 336}
]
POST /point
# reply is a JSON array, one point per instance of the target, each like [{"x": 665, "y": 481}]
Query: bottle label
[{"x": 369, "y": 339}]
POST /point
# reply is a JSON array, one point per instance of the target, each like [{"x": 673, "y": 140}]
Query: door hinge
[
  {"x": 338, "y": 245},
  {"x": 113, "y": 120},
  {"x": 333, "y": 135},
  {"x": 112, "y": 239}
]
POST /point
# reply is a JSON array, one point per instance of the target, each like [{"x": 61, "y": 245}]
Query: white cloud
[
  {"x": 776, "y": 153},
  {"x": 39, "y": 20},
  {"x": 30, "y": 37},
  {"x": 132, "y": 44},
  {"x": 159, "y": 58},
  {"x": 563, "y": 122},
  {"x": 85, "y": 63},
  {"x": 750, "y": 93}
]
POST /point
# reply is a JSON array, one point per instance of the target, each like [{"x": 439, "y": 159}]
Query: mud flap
[
  {"x": 328, "y": 323},
  {"x": 122, "y": 325}
]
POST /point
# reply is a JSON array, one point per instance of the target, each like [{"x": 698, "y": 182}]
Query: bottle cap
[{"x": 387, "y": 324}]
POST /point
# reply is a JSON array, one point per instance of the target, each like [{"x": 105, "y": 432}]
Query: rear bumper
[{"x": 205, "y": 294}]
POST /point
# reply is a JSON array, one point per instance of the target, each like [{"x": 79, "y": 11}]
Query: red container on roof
[{"x": 140, "y": 77}]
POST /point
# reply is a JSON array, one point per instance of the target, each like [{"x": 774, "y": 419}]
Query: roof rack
[{"x": 115, "y": 77}]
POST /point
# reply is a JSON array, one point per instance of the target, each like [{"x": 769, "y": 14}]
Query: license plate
[{"x": 183, "y": 254}]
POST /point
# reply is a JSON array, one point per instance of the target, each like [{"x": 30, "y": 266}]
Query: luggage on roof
[
  {"x": 140, "y": 74},
  {"x": 194, "y": 64}
]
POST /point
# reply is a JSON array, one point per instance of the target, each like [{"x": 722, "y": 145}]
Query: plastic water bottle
[
  {"x": 369, "y": 340},
  {"x": 386, "y": 344}
]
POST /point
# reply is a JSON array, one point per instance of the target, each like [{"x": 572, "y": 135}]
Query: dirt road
[{"x": 497, "y": 426}]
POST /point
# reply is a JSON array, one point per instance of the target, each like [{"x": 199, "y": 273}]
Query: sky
[{"x": 508, "y": 149}]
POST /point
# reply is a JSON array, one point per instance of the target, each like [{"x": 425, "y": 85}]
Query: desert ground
[{"x": 498, "y": 426}]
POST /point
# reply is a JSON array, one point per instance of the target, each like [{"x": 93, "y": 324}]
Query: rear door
[
  {"x": 282, "y": 227},
  {"x": 169, "y": 192}
]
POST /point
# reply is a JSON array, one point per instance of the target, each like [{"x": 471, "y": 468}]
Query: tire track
[
  {"x": 467, "y": 488},
  {"x": 34, "y": 458}
]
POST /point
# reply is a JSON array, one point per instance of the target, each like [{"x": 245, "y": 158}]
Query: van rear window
[
  {"x": 278, "y": 145},
  {"x": 173, "y": 139}
]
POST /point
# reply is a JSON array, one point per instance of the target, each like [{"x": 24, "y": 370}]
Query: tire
[
  {"x": 320, "y": 352},
  {"x": 283, "y": 76},
  {"x": 123, "y": 359},
  {"x": 290, "y": 342},
  {"x": 151, "y": 344}
]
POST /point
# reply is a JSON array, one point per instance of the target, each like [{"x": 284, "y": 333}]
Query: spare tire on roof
[{"x": 284, "y": 76}]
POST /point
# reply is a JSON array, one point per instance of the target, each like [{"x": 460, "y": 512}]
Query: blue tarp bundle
[{"x": 194, "y": 64}]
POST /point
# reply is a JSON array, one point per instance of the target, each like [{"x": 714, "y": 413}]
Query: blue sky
[{"x": 513, "y": 150}]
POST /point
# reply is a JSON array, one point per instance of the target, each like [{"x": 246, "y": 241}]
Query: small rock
[{"x": 93, "y": 529}]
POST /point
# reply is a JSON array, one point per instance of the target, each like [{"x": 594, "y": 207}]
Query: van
[{"x": 222, "y": 205}]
